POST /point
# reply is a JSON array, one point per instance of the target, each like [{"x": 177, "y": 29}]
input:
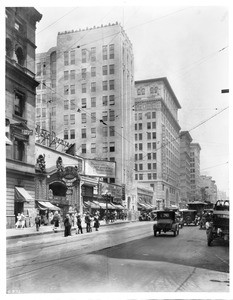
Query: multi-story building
[
  {"x": 195, "y": 171},
  {"x": 208, "y": 189},
  {"x": 20, "y": 110},
  {"x": 185, "y": 183},
  {"x": 86, "y": 96},
  {"x": 157, "y": 145}
]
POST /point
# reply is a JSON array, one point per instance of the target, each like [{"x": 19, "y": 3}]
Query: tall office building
[
  {"x": 20, "y": 110},
  {"x": 157, "y": 144},
  {"x": 195, "y": 171},
  {"x": 185, "y": 179},
  {"x": 86, "y": 95}
]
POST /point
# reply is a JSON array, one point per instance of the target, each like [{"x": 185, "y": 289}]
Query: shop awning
[
  {"x": 7, "y": 141},
  {"x": 21, "y": 195},
  {"x": 44, "y": 205},
  {"x": 91, "y": 204},
  {"x": 101, "y": 204},
  {"x": 118, "y": 206}
]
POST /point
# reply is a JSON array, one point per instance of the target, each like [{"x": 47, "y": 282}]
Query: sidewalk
[{"x": 14, "y": 233}]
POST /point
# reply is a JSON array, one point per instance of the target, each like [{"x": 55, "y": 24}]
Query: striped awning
[
  {"x": 46, "y": 205},
  {"x": 21, "y": 195}
]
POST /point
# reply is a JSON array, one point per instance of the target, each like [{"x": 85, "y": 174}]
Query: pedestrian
[
  {"x": 88, "y": 222},
  {"x": 18, "y": 223},
  {"x": 37, "y": 221},
  {"x": 67, "y": 225},
  {"x": 23, "y": 219},
  {"x": 56, "y": 220},
  {"x": 79, "y": 225},
  {"x": 96, "y": 222}
]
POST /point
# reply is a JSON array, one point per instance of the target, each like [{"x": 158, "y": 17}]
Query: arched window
[
  {"x": 152, "y": 90},
  {"x": 9, "y": 48},
  {"x": 20, "y": 56},
  {"x": 143, "y": 91},
  {"x": 139, "y": 92}
]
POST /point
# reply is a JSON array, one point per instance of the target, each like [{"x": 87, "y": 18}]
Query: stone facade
[{"x": 195, "y": 171}]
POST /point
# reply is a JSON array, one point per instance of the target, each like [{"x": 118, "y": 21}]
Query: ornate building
[{"x": 20, "y": 110}]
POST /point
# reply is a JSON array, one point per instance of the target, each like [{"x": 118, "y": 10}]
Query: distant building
[
  {"x": 185, "y": 161},
  {"x": 20, "y": 110},
  {"x": 157, "y": 144},
  {"x": 208, "y": 188},
  {"x": 195, "y": 171},
  {"x": 221, "y": 195}
]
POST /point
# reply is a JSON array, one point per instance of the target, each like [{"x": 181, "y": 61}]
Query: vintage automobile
[
  {"x": 190, "y": 217},
  {"x": 166, "y": 221},
  {"x": 144, "y": 217},
  {"x": 205, "y": 217},
  {"x": 219, "y": 226},
  {"x": 180, "y": 218}
]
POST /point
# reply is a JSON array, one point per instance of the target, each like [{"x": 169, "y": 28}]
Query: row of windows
[
  {"x": 107, "y": 52},
  {"x": 149, "y": 135},
  {"x": 42, "y": 112},
  {"x": 105, "y": 86},
  {"x": 153, "y": 90},
  {"x": 149, "y": 176},
  {"x": 149, "y": 125},
  {"x": 149, "y": 115},
  {"x": 105, "y": 132},
  {"x": 140, "y": 146},
  {"x": 150, "y": 166},
  {"x": 106, "y": 115},
  {"x": 106, "y": 147},
  {"x": 105, "y": 101},
  {"x": 139, "y": 156}
]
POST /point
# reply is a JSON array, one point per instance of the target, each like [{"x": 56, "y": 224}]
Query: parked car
[
  {"x": 219, "y": 226},
  {"x": 144, "y": 217},
  {"x": 205, "y": 217},
  {"x": 190, "y": 217},
  {"x": 166, "y": 221}
]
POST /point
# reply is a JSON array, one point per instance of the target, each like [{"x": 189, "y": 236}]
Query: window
[
  {"x": 154, "y": 155},
  {"x": 153, "y": 114},
  {"x": 105, "y": 70},
  {"x": 93, "y": 148},
  {"x": 112, "y": 130},
  {"x": 44, "y": 68},
  {"x": 72, "y": 104},
  {"x": 154, "y": 145},
  {"x": 140, "y": 146},
  {"x": 93, "y": 117},
  {"x": 93, "y": 102},
  {"x": 148, "y": 156},
  {"x": 140, "y": 136},
  {"x": 148, "y": 135},
  {"x": 105, "y": 147},
  {"x": 149, "y": 125},
  {"x": 53, "y": 125},
  {"x": 140, "y": 176},
  {"x": 136, "y": 176},
  {"x": 105, "y": 100},
  {"x": 136, "y": 147},
  {"x": 148, "y": 115},
  {"x": 136, "y": 167},
  {"x": 44, "y": 98},
  {"x": 84, "y": 56},
  {"x": 112, "y": 146},
  {"x": 66, "y": 58},
  {"x": 66, "y": 120},
  {"x": 139, "y": 116},
  {"x": 148, "y": 146},
  {"x": 112, "y": 158},
  {"x": 143, "y": 91},
  {"x": 93, "y": 132},
  {"x": 111, "y": 115},
  {"x": 53, "y": 83},
  {"x": 84, "y": 102},
  {"x": 149, "y": 176},
  {"x": 84, "y": 133},
  {"x": 66, "y": 104},
  {"x": 38, "y": 99},
  {"x": 111, "y": 100},
  {"x": 111, "y": 84},
  {"x": 136, "y": 137},
  {"x": 93, "y": 71},
  {"x": 139, "y": 91},
  {"x": 154, "y": 176},
  {"x": 111, "y": 69},
  {"x": 154, "y": 166},
  {"x": 105, "y": 131},
  {"x": 105, "y": 52},
  {"x": 149, "y": 166},
  {"x": 105, "y": 85},
  {"x": 136, "y": 126},
  {"x": 135, "y": 157},
  {"x": 111, "y": 180},
  {"x": 19, "y": 150},
  {"x": 140, "y": 167},
  {"x": 72, "y": 134},
  {"x": 140, "y": 156},
  {"x": 66, "y": 75},
  {"x": 38, "y": 69},
  {"x": 54, "y": 111},
  {"x": 20, "y": 56},
  {"x": 19, "y": 102},
  {"x": 93, "y": 54},
  {"x": 72, "y": 89},
  {"x": 93, "y": 87},
  {"x": 84, "y": 149},
  {"x": 84, "y": 73},
  {"x": 44, "y": 112},
  {"x": 154, "y": 125},
  {"x": 84, "y": 118},
  {"x": 38, "y": 112},
  {"x": 111, "y": 51},
  {"x": 72, "y": 119},
  {"x": 154, "y": 135},
  {"x": 84, "y": 88},
  {"x": 66, "y": 90},
  {"x": 140, "y": 126},
  {"x": 72, "y": 57},
  {"x": 72, "y": 74},
  {"x": 105, "y": 116}
]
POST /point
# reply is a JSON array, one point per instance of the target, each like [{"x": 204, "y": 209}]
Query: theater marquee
[{"x": 100, "y": 168}]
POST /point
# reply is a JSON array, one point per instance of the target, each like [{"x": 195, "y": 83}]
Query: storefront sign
[
  {"x": 100, "y": 168},
  {"x": 114, "y": 190}
]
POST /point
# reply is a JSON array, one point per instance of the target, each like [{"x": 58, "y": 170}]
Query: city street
[{"x": 120, "y": 258}]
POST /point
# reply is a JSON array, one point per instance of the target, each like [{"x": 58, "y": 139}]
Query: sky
[{"x": 187, "y": 42}]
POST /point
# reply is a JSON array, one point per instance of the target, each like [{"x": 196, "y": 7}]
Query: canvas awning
[
  {"x": 46, "y": 205},
  {"x": 91, "y": 204},
  {"x": 7, "y": 141},
  {"x": 21, "y": 195},
  {"x": 118, "y": 206}
]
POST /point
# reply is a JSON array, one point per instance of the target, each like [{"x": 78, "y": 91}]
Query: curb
[{"x": 59, "y": 230}]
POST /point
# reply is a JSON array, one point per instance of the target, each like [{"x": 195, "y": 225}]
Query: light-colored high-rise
[{"x": 195, "y": 171}]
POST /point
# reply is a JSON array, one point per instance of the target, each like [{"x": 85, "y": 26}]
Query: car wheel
[{"x": 155, "y": 233}]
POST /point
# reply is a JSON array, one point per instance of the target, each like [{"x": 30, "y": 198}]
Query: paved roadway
[{"x": 120, "y": 258}]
